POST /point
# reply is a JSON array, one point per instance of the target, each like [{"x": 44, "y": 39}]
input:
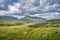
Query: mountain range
[{"x": 26, "y": 18}]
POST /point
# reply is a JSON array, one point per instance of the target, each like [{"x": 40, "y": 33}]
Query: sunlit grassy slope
[{"x": 15, "y": 30}]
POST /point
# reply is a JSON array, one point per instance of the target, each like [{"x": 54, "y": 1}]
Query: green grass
[{"x": 24, "y": 32}]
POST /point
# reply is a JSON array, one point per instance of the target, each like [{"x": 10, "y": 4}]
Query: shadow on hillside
[
  {"x": 38, "y": 25},
  {"x": 11, "y": 24},
  {"x": 34, "y": 26},
  {"x": 46, "y": 24}
]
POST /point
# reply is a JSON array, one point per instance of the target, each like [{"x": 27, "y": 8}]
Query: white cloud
[
  {"x": 12, "y": 9},
  {"x": 3, "y": 12},
  {"x": 15, "y": 8},
  {"x": 33, "y": 9},
  {"x": 46, "y": 15},
  {"x": 46, "y": 8},
  {"x": 35, "y": 15},
  {"x": 43, "y": 2},
  {"x": 49, "y": 15}
]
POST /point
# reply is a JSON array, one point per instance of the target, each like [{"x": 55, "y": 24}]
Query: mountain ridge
[{"x": 26, "y": 18}]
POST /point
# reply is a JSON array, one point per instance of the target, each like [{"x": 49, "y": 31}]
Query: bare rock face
[{"x": 57, "y": 31}]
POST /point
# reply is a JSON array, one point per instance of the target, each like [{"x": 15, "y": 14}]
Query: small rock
[{"x": 57, "y": 31}]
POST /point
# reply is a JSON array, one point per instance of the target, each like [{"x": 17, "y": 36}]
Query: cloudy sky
[{"x": 40, "y": 8}]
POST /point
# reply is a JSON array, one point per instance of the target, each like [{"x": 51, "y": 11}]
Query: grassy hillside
[{"x": 46, "y": 30}]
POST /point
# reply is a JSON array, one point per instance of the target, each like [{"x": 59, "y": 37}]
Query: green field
[{"x": 16, "y": 30}]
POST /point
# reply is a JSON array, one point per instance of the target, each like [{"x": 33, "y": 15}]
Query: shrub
[
  {"x": 18, "y": 23},
  {"x": 35, "y": 25},
  {"x": 2, "y": 24}
]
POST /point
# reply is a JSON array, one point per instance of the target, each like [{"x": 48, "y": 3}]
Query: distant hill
[
  {"x": 31, "y": 19},
  {"x": 8, "y": 18},
  {"x": 27, "y": 18}
]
